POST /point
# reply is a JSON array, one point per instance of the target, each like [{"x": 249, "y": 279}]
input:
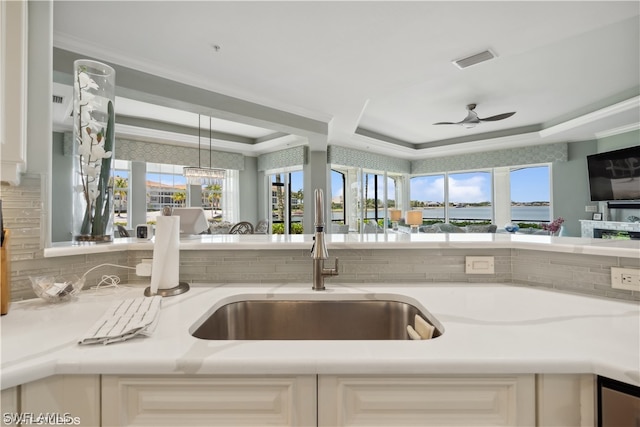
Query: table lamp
[
  {"x": 394, "y": 216},
  {"x": 414, "y": 219}
]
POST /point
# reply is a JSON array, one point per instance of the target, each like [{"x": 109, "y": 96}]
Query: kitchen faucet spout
[{"x": 319, "y": 250}]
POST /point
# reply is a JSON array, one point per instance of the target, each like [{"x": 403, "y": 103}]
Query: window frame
[{"x": 497, "y": 188}]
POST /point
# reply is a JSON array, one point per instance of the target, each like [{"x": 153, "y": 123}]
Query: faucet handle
[{"x": 331, "y": 271}]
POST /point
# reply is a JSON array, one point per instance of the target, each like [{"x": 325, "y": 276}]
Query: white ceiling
[{"x": 380, "y": 73}]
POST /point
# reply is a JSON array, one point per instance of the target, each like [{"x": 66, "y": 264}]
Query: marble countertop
[
  {"x": 603, "y": 247},
  {"x": 488, "y": 329}
]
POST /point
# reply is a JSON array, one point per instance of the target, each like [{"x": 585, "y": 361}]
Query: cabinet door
[
  {"x": 426, "y": 401},
  {"x": 13, "y": 89},
  {"x": 9, "y": 406},
  {"x": 566, "y": 400},
  {"x": 70, "y": 399},
  {"x": 208, "y": 401}
]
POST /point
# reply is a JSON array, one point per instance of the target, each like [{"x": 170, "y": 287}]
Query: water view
[{"x": 518, "y": 213}]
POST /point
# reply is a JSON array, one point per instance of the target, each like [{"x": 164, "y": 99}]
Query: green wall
[
  {"x": 623, "y": 140},
  {"x": 571, "y": 186},
  {"x": 60, "y": 191}
]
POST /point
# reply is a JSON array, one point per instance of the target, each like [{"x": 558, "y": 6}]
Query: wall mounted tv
[{"x": 615, "y": 175}]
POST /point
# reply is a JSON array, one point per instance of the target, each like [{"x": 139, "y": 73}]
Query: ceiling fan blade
[
  {"x": 472, "y": 118},
  {"x": 497, "y": 117}
]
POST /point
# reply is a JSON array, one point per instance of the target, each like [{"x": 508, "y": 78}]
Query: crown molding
[
  {"x": 617, "y": 131},
  {"x": 589, "y": 118}
]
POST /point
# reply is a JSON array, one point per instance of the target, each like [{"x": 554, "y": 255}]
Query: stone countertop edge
[
  {"x": 489, "y": 329},
  {"x": 601, "y": 247}
]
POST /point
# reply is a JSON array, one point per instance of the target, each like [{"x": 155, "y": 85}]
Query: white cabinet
[
  {"x": 72, "y": 399},
  {"x": 208, "y": 401},
  {"x": 9, "y": 406},
  {"x": 467, "y": 401},
  {"x": 310, "y": 400},
  {"x": 13, "y": 89},
  {"x": 566, "y": 400}
]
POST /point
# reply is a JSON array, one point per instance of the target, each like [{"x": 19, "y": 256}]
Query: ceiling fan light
[{"x": 468, "y": 125}]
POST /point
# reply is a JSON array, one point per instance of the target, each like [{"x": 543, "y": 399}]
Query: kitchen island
[{"x": 492, "y": 333}]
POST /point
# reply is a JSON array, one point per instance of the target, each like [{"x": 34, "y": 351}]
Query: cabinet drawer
[
  {"x": 208, "y": 401},
  {"x": 426, "y": 401}
]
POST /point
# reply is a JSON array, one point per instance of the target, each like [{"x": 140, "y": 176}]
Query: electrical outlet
[
  {"x": 591, "y": 208},
  {"x": 625, "y": 278},
  {"x": 479, "y": 265},
  {"x": 144, "y": 268}
]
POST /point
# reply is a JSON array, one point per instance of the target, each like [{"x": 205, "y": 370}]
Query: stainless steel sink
[{"x": 311, "y": 320}]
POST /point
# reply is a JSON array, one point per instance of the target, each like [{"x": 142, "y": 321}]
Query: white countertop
[
  {"x": 488, "y": 329},
  {"x": 604, "y": 247}
]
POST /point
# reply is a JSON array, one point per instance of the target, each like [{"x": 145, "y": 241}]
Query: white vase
[{"x": 562, "y": 232}]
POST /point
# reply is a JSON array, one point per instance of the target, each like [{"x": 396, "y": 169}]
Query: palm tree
[
  {"x": 120, "y": 185},
  {"x": 214, "y": 196},
  {"x": 280, "y": 197},
  {"x": 179, "y": 197},
  {"x": 366, "y": 193}
]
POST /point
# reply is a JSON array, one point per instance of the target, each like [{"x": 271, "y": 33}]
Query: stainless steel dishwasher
[{"x": 618, "y": 404}]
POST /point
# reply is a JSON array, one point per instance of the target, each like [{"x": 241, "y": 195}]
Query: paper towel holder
[{"x": 176, "y": 290}]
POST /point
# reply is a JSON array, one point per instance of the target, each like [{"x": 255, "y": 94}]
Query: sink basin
[{"x": 296, "y": 319}]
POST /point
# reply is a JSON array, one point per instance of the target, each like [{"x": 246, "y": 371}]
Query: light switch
[{"x": 479, "y": 265}]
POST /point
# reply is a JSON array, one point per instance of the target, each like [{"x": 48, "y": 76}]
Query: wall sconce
[
  {"x": 414, "y": 219},
  {"x": 394, "y": 216}
]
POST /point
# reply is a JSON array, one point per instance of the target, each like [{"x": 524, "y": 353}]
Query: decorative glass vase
[{"x": 93, "y": 148}]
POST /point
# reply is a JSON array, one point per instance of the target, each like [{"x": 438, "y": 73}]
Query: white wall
[{"x": 248, "y": 197}]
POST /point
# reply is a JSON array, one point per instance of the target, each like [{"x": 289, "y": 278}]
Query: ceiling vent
[
  {"x": 57, "y": 99},
  {"x": 474, "y": 59}
]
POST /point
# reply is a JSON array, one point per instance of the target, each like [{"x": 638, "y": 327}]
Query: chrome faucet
[{"x": 319, "y": 250}]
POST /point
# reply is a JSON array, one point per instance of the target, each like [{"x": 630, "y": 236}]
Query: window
[
  {"x": 211, "y": 199},
  {"x": 375, "y": 203},
  {"x": 461, "y": 198},
  {"x": 287, "y": 202},
  {"x": 469, "y": 197},
  {"x": 296, "y": 202},
  {"x": 427, "y": 192},
  {"x": 338, "y": 184},
  {"x": 364, "y": 197},
  {"x": 530, "y": 194},
  {"x": 120, "y": 182},
  {"x": 522, "y": 195},
  {"x": 166, "y": 186}
]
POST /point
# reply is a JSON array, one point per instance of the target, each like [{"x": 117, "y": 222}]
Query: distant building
[{"x": 160, "y": 195}]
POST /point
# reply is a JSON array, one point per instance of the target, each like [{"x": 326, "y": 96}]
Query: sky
[{"x": 527, "y": 185}]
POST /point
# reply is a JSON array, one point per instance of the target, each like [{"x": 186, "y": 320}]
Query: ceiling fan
[{"x": 472, "y": 118}]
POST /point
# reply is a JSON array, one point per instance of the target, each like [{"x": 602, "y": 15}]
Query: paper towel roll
[{"x": 165, "y": 268}]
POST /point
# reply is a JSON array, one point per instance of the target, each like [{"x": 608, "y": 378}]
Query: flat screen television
[
  {"x": 615, "y": 175},
  {"x": 192, "y": 221}
]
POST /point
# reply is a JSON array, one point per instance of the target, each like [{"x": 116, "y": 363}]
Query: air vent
[
  {"x": 57, "y": 99},
  {"x": 474, "y": 59}
]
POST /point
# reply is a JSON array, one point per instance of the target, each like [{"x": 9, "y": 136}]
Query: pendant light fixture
[{"x": 199, "y": 175}]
